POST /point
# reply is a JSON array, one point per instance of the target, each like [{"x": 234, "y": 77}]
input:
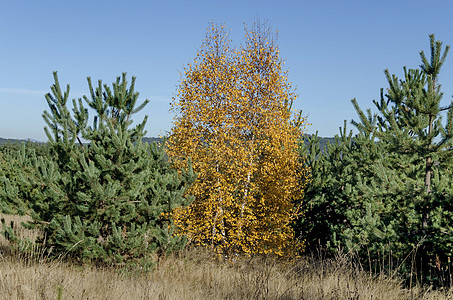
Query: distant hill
[
  {"x": 4, "y": 141},
  {"x": 322, "y": 142},
  {"x": 14, "y": 141},
  {"x": 150, "y": 140}
]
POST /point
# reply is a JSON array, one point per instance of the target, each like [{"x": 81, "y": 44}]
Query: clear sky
[{"x": 334, "y": 50}]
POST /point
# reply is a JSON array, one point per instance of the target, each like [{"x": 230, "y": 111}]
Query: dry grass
[{"x": 195, "y": 274}]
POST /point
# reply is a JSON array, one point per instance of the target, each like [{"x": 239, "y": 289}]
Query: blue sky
[{"x": 334, "y": 51}]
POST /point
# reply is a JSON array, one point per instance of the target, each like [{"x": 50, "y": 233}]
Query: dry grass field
[{"x": 196, "y": 274}]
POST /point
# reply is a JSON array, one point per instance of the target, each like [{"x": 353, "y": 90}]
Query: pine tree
[
  {"x": 388, "y": 190},
  {"x": 107, "y": 199},
  {"x": 234, "y": 123},
  {"x": 410, "y": 117},
  {"x": 14, "y": 163},
  {"x": 410, "y": 124}
]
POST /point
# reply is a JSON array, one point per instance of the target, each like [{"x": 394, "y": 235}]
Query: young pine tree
[
  {"x": 13, "y": 164},
  {"x": 107, "y": 199},
  {"x": 234, "y": 123},
  {"x": 387, "y": 191},
  {"x": 411, "y": 123}
]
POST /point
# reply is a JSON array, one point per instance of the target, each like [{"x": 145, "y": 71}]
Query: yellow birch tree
[{"x": 234, "y": 122}]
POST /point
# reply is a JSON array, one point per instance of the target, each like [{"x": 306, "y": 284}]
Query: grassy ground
[{"x": 196, "y": 274}]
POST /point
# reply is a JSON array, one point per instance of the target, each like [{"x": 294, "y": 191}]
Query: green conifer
[
  {"x": 388, "y": 190},
  {"x": 14, "y": 165},
  {"x": 102, "y": 194}
]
